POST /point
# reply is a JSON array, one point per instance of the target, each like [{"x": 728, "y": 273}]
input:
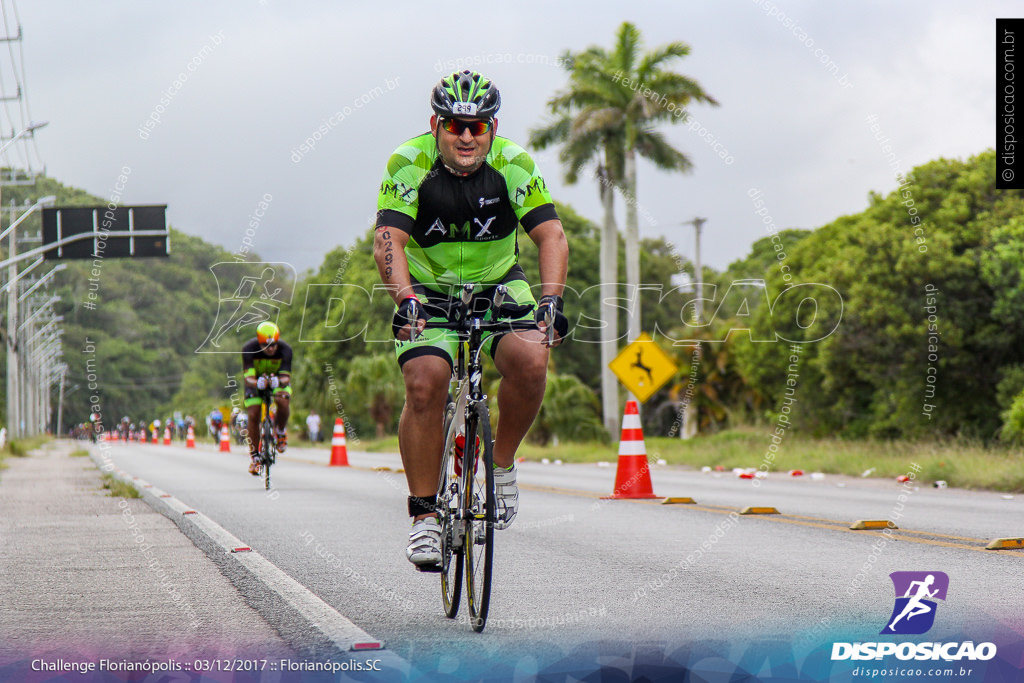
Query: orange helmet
[{"x": 267, "y": 332}]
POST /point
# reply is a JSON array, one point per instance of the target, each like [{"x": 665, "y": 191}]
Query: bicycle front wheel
[
  {"x": 479, "y": 502},
  {"x": 448, "y": 502},
  {"x": 267, "y": 451}
]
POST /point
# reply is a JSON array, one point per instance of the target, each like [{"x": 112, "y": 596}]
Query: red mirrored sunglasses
[{"x": 456, "y": 126}]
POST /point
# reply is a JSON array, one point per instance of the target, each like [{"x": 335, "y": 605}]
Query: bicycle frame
[{"x": 468, "y": 392}]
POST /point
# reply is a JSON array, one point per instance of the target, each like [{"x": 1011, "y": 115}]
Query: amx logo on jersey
[{"x": 482, "y": 233}]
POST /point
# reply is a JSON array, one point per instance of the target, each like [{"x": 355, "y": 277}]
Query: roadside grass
[
  {"x": 79, "y": 453},
  {"x": 960, "y": 463},
  {"x": 20, "y": 448},
  {"x": 119, "y": 489},
  {"x": 386, "y": 445}
]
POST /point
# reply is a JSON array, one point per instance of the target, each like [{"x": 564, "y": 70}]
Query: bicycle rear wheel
[
  {"x": 479, "y": 499},
  {"x": 448, "y": 502}
]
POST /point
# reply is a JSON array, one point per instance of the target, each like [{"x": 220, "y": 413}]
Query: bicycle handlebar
[{"x": 460, "y": 318}]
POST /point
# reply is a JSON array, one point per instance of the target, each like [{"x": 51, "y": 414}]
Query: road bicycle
[
  {"x": 268, "y": 439},
  {"x": 466, "y": 500}
]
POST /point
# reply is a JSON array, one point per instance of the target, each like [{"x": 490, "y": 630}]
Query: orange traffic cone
[
  {"x": 167, "y": 436},
  {"x": 225, "y": 439},
  {"x": 190, "y": 438},
  {"x": 339, "y": 452},
  {"x": 156, "y": 437},
  {"x": 633, "y": 476}
]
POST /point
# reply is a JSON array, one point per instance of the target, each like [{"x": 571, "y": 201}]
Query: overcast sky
[{"x": 273, "y": 72}]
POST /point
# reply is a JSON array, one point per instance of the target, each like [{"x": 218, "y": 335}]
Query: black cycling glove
[
  {"x": 408, "y": 312},
  {"x": 560, "y": 322}
]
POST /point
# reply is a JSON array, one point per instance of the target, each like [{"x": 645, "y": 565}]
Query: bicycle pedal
[{"x": 429, "y": 568}]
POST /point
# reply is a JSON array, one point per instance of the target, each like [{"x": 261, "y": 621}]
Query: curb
[{"x": 307, "y": 623}]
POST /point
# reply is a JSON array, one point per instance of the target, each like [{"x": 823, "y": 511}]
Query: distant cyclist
[
  {"x": 449, "y": 210},
  {"x": 266, "y": 362},
  {"x": 242, "y": 427},
  {"x": 214, "y": 422}
]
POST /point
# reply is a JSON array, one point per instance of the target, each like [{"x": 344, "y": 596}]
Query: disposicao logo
[
  {"x": 912, "y": 614},
  {"x": 916, "y": 592}
]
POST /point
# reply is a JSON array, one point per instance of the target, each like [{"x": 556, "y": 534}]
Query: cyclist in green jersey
[
  {"x": 448, "y": 213},
  {"x": 266, "y": 362}
]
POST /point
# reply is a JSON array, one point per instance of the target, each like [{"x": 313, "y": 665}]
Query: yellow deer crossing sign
[{"x": 643, "y": 367}]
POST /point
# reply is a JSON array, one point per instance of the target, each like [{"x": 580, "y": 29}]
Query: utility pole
[
  {"x": 698, "y": 274},
  {"x": 688, "y": 429}
]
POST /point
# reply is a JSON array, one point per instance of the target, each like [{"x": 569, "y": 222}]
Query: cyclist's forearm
[
  {"x": 389, "y": 253},
  {"x": 553, "y": 256}
]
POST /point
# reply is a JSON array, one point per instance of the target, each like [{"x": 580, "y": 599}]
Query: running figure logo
[
  {"x": 248, "y": 294},
  {"x": 914, "y": 611}
]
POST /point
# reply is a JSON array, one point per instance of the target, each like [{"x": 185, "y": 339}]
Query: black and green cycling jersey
[
  {"x": 257, "y": 362},
  {"x": 462, "y": 228}
]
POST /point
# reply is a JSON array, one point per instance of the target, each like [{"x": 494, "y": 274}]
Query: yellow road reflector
[
  {"x": 759, "y": 511},
  {"x": 862, "y": 524},
  {"x": 381, "y": 469},
  {"x": 680, "y": 500},
  {"x": 1005, "y": 544}
]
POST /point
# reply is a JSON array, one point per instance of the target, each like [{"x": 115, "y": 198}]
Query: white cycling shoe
[
  {"x": 424, "y": 549},
  {"x": 507, "y": 493}
]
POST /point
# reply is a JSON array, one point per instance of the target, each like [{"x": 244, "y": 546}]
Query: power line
[{"x": 11, "y": 34}]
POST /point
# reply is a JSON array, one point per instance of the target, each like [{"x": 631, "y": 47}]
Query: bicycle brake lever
[
  {"x": 414, "y": 315},
  {"x": 467, "y": 296},
  {"x": 499, "y": 297},
  {"x": 549, "y": 322}
]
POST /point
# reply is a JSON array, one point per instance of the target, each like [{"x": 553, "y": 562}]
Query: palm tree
[
  {"x": 588, "y": 140},
  {"x": 607, "y": 115}
]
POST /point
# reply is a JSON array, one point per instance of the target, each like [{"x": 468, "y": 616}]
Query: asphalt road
[{"x": 579, "y": 577}]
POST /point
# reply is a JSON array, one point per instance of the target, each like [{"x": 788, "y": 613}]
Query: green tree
[
  {"x": 570, "y": 412},
  {"x": 145, "y": 318},
  {"x": 373, "y": 381},
  {"x": 927, "y": 280}
]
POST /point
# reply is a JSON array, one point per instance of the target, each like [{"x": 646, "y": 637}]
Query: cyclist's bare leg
[
  {"x": 283, "y": 410},
  {"x": 522, "y": 360},
  {"x": 254, "y": 428},
  {"x": 420, "y": 428}
]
